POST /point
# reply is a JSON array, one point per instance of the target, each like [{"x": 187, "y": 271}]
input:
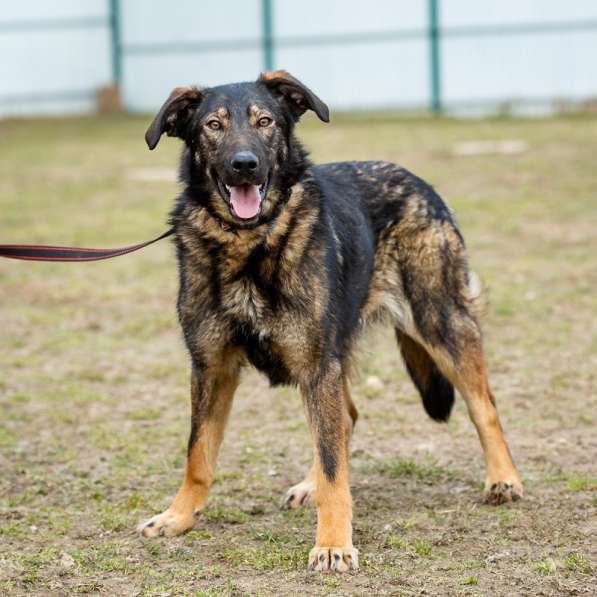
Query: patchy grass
[
  {"x": 577, "y": 562},
  {"x": 422, "y": 548},
  {"x": 225, "y": 515},
  {"x": 268, "y": 557},
  {"x": 396, "y": 468},
  {"x": 545, "y": 567},
  {"x": 395, "y": 542},
  {"x": 94, "y": 397},
  {"x": 581, "y": 484},
  {"x": 470, "y": 580}
]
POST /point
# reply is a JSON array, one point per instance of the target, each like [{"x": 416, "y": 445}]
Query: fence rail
[{"x": 53, "y": 24}]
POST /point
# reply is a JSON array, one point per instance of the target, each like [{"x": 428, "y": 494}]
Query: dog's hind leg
[
  {"x": 448, "y": 352},
  {"x": 303, "y": 493},
  {"x": 468, "y": 374},
  {"x": 433, "y": 300},
  {"x": 211, "y": 395}
]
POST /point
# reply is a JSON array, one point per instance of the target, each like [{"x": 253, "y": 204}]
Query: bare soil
[{"x": 94, "y": 398}]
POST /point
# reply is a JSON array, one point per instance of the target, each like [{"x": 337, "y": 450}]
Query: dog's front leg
[
  {"x": 325, "y": 407},
  {"x": 211, "y": 396}
]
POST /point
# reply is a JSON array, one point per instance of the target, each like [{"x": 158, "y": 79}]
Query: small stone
[
  {"x": 66, "y": 560},
  {"x": 374, "y": 382},
  {"x": 33, "y": 528},
  {"x": 492, "y": 558}
]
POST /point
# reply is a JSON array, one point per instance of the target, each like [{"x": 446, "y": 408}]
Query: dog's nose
[{"x": 244, "y": 162}]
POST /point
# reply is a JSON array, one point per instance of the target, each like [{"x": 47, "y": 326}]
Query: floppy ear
[
  {"x": 174, "y": 115},
  {"x": 298, "y": 97}
]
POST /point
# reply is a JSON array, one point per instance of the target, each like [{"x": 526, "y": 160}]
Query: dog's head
[{"x": 239, "y": 141}]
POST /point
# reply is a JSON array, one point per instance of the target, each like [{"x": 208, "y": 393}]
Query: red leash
[{"x": 49, "y": 253}]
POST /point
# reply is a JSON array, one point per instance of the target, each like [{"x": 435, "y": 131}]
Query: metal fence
[{"x": 433, "y": 34}]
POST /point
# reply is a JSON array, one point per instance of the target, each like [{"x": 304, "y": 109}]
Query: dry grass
[{"x": 94, "y": 378}]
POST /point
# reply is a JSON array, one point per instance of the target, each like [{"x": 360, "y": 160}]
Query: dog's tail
[{"x": 436, "y": 391}]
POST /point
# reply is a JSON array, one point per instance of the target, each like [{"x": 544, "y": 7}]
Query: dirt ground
[{"x": 94, "y": 381}]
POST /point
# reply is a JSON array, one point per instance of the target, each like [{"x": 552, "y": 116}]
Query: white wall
[
  {"x": 70, "y": 63},
  {"x": 149, "y": 78},
  {"x": 476, "y": 71},
  {"x": 380, "y": 74},
  {"x": 497, "y": 68}
]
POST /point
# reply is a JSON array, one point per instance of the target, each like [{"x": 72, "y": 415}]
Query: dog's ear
[
  {"x": 174, "y": 115},
  {"x": 298, "y": 97}
]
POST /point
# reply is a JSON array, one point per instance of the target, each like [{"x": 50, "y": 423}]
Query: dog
[{"x": 283, "y": 263}]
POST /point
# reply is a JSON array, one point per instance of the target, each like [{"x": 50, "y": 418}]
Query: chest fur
[{"x": 275, "y": 322}]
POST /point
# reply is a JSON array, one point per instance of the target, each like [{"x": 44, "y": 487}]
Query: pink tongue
[{"x": 245, "y": 201}]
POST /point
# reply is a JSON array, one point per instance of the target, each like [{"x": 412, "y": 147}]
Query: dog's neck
[{"x": 197, "y": 227}]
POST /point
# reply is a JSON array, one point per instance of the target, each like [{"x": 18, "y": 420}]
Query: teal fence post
[
  {"x": 267, "y": 34},
  {"x": 434, "y": 57},
  {"x": 115, "y": 39}
]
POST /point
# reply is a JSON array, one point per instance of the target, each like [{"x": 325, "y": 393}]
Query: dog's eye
[
  {"x": 264, "y": 121},
  {"x": 214, "y": 125}
]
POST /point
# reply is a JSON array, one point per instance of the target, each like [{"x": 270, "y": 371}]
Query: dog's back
[{"x": 383, "y": 190}]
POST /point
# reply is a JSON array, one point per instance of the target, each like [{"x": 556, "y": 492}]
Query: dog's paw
[
  {"x": 337, "y": 559},
  {"x": 302, "y": 494},
  {"x": 166, "y": 524},
  {"x": 500, "y": 492}
]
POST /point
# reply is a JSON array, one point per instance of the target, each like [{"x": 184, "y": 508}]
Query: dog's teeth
[{"x": 228, "y": 188}]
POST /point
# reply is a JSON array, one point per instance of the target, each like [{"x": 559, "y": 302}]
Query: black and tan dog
[{"x": 283, "y": 263}]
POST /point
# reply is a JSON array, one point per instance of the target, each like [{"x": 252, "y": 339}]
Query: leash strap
[{"x": 50, "y": 253}]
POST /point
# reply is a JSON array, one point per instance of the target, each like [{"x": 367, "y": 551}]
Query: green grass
[
  {"x": 395, "y": 542},
  {"x": 422, "y": 548},
  {"x": 581, "y": 483},
  {"x": 94, "y": 382},
  {"x": 574, "y": 481},
  {"x": 225, "y": 515},
  {"x": 267, "y": 557},
  {"x": 397, "y": 468},
  {"x": 545, "y": 567},
  {"x": 577, "y": 562}
]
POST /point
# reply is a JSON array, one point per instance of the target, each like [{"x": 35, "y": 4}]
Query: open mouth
[{"x": 244, "y": 200}]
